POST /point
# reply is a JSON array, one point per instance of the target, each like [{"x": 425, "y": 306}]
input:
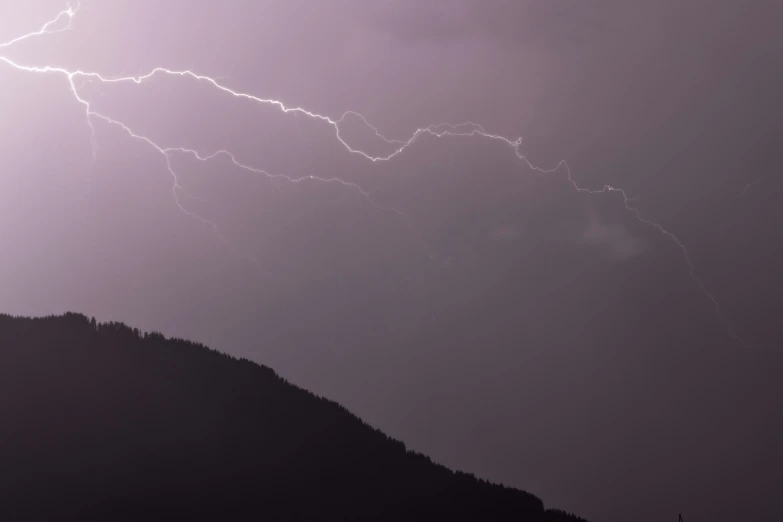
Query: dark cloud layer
[{"x": 507, "y": 325}]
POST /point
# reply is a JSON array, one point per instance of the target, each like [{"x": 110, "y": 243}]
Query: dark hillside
[{"x": 101, "y": 422}]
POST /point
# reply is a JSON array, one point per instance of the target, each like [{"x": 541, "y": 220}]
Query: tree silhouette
[{"x": 101, "y": 422}]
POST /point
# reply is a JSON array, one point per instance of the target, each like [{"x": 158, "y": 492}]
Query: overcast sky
[{"x": 487, "y": 314}]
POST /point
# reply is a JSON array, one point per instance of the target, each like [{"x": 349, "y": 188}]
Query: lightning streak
[
  {"x": 748, "y": 187},
  {"x": 467, "y": 129},
  {"x": 66, "y": 14}
]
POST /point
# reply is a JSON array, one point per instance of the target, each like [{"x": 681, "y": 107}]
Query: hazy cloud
[
  {"x": 506, "y": 232},
  {"x": 615, "y": 238}
]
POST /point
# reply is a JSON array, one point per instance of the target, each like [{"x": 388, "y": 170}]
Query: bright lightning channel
[{"x": 439, "y": 130}]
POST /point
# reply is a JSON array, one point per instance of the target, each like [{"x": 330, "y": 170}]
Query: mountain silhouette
[{"x": 103, "y": 422}]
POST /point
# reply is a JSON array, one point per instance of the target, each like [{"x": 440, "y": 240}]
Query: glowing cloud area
[{"x": 63, "y": 21}]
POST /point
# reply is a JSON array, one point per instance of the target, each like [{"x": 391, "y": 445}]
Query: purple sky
[{"x": 496, "y": 319}]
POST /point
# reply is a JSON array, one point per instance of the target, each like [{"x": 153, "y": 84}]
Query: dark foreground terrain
[{"x": 101, "y": 422}]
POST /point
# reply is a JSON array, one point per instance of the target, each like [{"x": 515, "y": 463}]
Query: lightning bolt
[
  {"x": 748, "y": 187},
  {"x": 67, "y": 14},
  {"x": 467, "y": 129}
]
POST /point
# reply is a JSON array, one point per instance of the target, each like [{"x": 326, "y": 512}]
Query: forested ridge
[{"x": 104, "y": 422}]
